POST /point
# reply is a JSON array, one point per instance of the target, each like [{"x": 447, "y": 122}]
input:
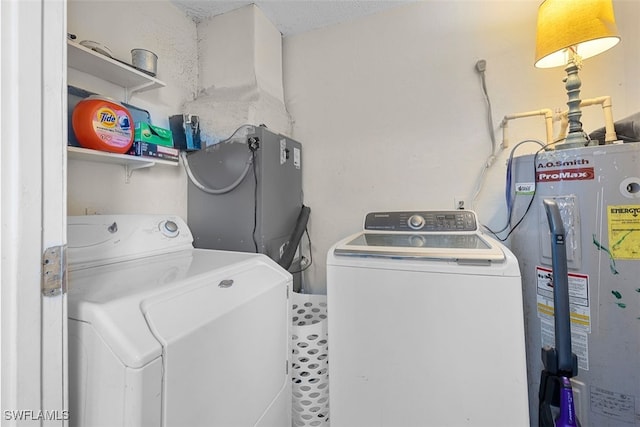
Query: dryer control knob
[
  {"x": 169, "y": 228},
  {"x": 416, "y": 222}
]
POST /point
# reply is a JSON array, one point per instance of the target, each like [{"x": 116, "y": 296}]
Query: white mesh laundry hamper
[{"x": 310, "y": 361}]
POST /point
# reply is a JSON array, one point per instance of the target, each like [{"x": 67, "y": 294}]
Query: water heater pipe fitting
[
  {"x": 548, "y": 119},
  {"x": 610, "y": 131}
]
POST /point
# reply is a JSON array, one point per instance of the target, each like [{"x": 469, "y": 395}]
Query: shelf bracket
[
  {"x": 129, "y": 168},
  {"x": 129, "y": 91}
]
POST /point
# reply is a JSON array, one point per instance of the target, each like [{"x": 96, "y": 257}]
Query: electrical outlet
[{"x": 459, "y": 203}]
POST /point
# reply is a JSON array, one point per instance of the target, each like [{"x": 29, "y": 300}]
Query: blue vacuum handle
[{"x": 562, "y": 320}]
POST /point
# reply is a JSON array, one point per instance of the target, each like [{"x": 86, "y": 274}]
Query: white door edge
[{"x": 33, "y": 389}]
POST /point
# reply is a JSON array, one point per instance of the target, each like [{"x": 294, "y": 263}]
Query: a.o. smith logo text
[
  {"x": 577, "y": 174},
  {"x": 562, "y": 163}
]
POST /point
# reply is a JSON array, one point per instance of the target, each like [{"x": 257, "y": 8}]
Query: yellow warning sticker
[{"x": 624, "y": 231}]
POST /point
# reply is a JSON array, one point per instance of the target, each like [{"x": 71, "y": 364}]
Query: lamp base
[
  {"x": 573, "y": 140},
  {"x": 575, "y": 137}
]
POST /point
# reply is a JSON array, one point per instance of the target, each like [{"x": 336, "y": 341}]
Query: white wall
[
  {"x": 389, "y": 108},
  {"x": 240, "y": 79},
  {"x": 160, "y": 27},
  {"x": 391, "y": 113}
]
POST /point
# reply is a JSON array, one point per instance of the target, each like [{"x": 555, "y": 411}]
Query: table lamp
[{"x": 569, "y": 31}]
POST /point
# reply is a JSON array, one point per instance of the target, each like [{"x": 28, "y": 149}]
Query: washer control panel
[
  {"x": 101, "y": 239},
  {"x": 423, "y": 221}
]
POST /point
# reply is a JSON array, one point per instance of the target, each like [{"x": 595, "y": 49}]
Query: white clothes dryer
[
  {"x": 162, "y": 334},
  {"x": 425, "y": 325}
]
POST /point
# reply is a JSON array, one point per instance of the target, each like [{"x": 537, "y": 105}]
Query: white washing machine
[
  {"x": 425, "y": 325},
  {"x": 162, "y": 334}
]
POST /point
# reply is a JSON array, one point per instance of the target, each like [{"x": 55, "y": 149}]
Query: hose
[{"x": 228, "y": 188}]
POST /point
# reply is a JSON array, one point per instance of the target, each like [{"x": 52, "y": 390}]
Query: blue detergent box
[{"x": 185, "y": 129}]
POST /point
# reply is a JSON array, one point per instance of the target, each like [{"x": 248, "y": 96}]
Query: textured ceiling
[{"x": 292, "y": 16}]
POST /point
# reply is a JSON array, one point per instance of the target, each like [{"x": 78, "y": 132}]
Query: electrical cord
[
  {"x": 508, "y": 185},
  {"x": 508, "y": 189},
  {"x": 254, "y": 147},
  {"x": 485, "y": 167},
  {"x": 306, "y": 231},
  {"x": 481, "y": 67},
  {"x": 228, "y": 188}
]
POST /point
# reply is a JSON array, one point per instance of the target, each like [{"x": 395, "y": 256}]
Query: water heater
[{"x": 598, "y": 191}]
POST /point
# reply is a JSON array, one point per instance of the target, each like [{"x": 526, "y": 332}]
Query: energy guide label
[
  {"x": 579, "y": 309},
  {"x": 624, "y": 231}
]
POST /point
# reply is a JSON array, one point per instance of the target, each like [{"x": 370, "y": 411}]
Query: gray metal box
[{"x": 259, "y": 214}]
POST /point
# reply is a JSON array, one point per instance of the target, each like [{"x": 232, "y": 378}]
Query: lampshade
[{"x": 588, "y": 25}]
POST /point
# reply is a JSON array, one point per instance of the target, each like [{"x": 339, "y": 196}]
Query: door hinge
[{"x": 54, "y": 271}]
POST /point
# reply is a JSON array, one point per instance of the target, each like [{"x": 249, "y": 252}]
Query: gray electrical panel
[{"x": 260, "y": 212}]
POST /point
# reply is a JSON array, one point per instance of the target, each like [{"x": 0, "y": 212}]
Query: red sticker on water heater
[{"x": 577, "y": 174}]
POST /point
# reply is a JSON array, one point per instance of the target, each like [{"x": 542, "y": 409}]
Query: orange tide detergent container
[{"x": 103, "y": 124}]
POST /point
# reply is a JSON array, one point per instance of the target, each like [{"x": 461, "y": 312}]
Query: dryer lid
[
  {"x": 113, "y": 298},
  {"x": 218, "y": 337}
]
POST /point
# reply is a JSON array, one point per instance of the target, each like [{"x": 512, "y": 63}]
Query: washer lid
[{"x": 444, "y": 246}]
